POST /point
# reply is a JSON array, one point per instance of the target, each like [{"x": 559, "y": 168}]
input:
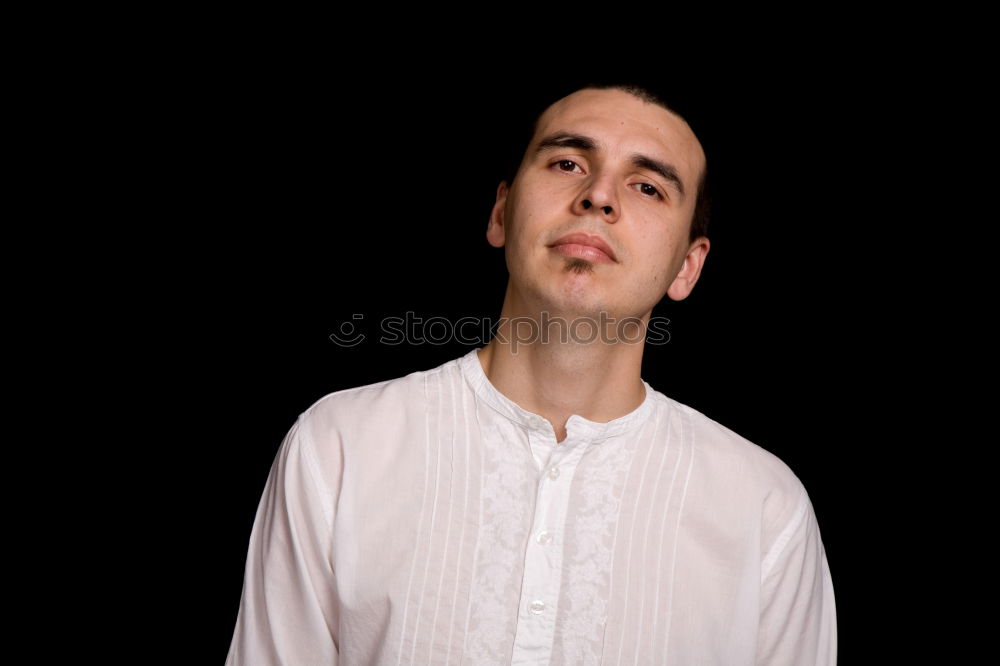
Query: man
[{"x": 535, "y": 501}]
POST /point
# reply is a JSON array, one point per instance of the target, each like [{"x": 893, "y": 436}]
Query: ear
[
  {"x": 496, "y": 231},
  {"x": 686, "y": 278}
]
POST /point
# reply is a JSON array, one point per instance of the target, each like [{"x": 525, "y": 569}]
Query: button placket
[
  {"x": 542, "y": 448},
  {"x": 543, "y": 556}
]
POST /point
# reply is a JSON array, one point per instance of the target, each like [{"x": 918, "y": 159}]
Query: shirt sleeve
[
  {"x": 288, "y": 610},
  {"x": 798, "y": 619}
]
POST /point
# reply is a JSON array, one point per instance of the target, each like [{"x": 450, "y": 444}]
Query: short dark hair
[{"x": 702, "y": 207}]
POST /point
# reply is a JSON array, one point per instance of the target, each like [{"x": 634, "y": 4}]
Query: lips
[{"x": 585, "y": 246}]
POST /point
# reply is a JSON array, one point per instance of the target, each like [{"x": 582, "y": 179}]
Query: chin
[
  {"x": 574, "y": 291},
  {"x": 580, "y": 302}
]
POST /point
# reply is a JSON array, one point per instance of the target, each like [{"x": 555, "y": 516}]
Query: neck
[{"x": 597, "y": 380}]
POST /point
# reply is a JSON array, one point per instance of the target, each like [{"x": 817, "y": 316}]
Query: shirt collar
[{"x": 576, "y": 425}]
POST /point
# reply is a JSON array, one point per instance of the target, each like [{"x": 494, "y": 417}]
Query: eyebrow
[{"x": 569, "y": 140}]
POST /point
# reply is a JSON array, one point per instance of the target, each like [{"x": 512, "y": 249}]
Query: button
[
  {"x": 544, "y": 537},
  {"x": 537, "y": 607},
  {"x": 554, "y": 473}
]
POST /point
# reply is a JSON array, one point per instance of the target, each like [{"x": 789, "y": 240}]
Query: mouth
[{"x": 585, "y": 246}]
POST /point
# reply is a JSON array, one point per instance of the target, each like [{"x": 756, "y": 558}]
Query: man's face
[{"x": 636, "y": 207}]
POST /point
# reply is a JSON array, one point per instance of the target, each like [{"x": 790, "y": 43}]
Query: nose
[
  {"x": 601, "y": 196},
  {"x": 607, "y": 207}
]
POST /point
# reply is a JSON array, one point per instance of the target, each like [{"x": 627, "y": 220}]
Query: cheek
[
  {"x": 658, "y": 268},
  {"x": 526, "y": 224},
  {"x": 654, "y": 254}
]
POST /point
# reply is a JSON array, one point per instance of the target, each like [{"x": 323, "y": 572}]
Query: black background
[{"x": 299, "y": 194}]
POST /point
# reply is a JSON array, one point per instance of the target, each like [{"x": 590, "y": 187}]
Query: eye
[
  {"x": 559, "y": 164},
  {"x": 651, "y": 190}
]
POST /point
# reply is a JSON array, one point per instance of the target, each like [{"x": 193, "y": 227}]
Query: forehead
[{"x": 623, "y": 123}]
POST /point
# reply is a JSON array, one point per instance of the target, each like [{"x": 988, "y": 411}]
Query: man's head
[{"x": 623, "y": 170}]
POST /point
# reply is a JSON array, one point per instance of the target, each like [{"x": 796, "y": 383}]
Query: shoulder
[
  {"x": 379, "y": 409},
  {"x": 741, "y": 468}
]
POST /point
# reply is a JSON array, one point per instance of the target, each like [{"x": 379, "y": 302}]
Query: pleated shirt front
[{"x": 429, "y": 519}]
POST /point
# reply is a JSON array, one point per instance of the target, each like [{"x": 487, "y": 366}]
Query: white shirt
[{"x": 429, "y": 519}]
